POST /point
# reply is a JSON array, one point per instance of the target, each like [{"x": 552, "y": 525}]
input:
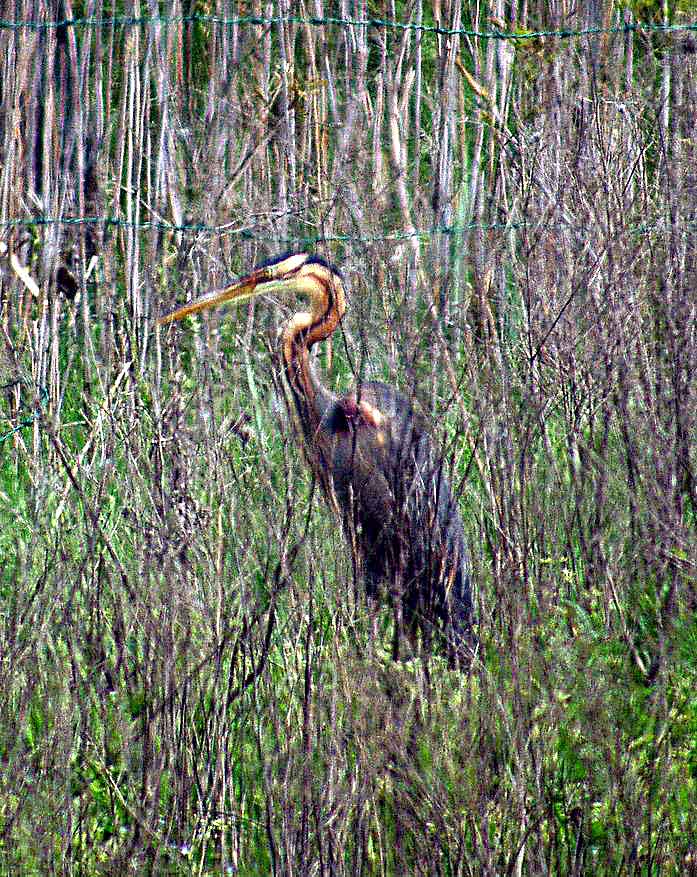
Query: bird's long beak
[{"x": 246, "y": 288}]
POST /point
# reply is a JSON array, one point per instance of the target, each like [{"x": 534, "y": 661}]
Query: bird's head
[{"x": 298, "y": 273}]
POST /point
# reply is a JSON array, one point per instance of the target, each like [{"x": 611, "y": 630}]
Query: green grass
[{"x": 110, "y": 681}]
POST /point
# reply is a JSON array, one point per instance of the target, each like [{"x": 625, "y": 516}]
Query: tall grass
[{"x": 190, "y": 680}]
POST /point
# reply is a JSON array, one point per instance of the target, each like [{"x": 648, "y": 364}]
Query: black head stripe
[
  {"x": 274, "y": 260},
  {"x": 318, "y": 260}
]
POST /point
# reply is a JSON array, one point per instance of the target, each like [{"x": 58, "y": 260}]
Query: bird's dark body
[{"x": 398, "y": 510}]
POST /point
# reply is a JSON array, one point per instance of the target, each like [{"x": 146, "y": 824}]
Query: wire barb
[{"x": 30, "y": 418}]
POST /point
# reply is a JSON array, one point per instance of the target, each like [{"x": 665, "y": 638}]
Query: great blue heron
[{"x": 372, "y": 454}]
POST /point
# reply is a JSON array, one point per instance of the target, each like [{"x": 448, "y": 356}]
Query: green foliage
[{"x": 655, "y": 10}]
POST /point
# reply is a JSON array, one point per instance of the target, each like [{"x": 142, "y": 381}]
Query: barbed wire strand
[
  {"x": 248, "y": 234},
  {"x": 228, "y": 229},
  {"x": 29, "y": 419},
  {"x": 377, "y": 23}
]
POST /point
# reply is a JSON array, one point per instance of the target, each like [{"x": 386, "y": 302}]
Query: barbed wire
[
  {"x": 29, "y": 419},
  {"x": 249, "y": 234},
  {"x": 374, "y": 23}
]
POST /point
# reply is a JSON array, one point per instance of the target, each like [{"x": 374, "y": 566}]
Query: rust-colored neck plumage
[{"x": 328, "y": 304}]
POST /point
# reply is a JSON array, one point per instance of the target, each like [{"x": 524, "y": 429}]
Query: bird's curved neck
[{"x": 302, "y": 331}]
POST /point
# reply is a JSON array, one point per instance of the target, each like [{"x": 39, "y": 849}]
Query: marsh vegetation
[{"x": 190, "y": 682}]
